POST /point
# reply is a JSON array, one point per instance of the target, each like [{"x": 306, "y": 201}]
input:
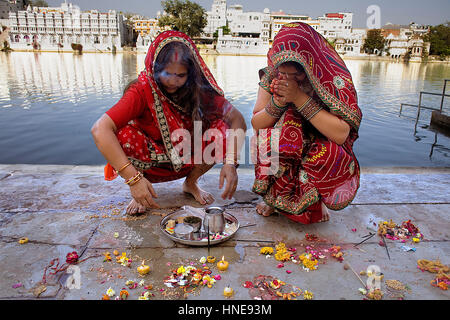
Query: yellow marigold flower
[
  {"x": 308, "y": 295},
  {"x": 181, "y": 270},
  {"x": 110, "y": 292},
  {"x": 266, "y": 250},
  {"x": 282, "y": 256},
  {"x": 280, "y": 246}
]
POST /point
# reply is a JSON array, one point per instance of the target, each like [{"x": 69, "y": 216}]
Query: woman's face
[
  {"x": 174, "y": 76},
  {"x": 290, "y": 72}
]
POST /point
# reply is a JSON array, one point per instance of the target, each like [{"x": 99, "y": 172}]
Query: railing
[{"x": 420, "y": 106}]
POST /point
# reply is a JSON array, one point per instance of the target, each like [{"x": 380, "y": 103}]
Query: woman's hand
[
  {"x": 143, "y": 193},
  {"x": 229, "y": 174},
  {"x": 287, "y": 91}
]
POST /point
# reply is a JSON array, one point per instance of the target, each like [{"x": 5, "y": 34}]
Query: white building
[
  {"x": 403, "y": 41},
  {"x": 249, "y": 31},
  {"x": 216, "y": 18},
  {"x": 279, "y": 19},
  {"x": 9, "y": 5},
  {"x": 352, "y": 44},
  {"x": 336, "y": 25},
  {"x": 56, "y": 29},
  {"x": 148, "y": 30},
  {"x": 227, "y": 44},
  {"x": 248, "y": 24}
]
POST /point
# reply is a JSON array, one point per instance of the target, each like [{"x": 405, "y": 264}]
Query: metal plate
[{"x": 229, "y": 218}]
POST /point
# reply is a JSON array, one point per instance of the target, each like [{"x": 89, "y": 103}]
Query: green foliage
[
  {"x": 38, "y": 3},
  {"x": 225, "y": 29},
  {"x": 439, "y": 38},
  {"x": 184, "y": 16},
  {"x": 374, "y": 40}
]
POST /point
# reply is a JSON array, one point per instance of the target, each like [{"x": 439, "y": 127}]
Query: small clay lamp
[
  {"x": 222, "y": 265},
  {"x": 143, "y": 269},
  {"x": 228, "y": 291}
]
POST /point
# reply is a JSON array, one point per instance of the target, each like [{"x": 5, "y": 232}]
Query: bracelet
[
  {"x": 310, "y": 109},
  {"x": 123, "y": 168},
  {"x": 134, "y": 179},
  {"x": 274, "y": 103},
  {"x": 229, "y": 159},
  {"x": 299, "y": 109},
  {"x": 274, "y": 110}
]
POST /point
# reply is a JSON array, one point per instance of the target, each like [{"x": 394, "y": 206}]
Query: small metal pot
[
  {"x": 215, "y": 219},
  {"x": 184, "y": 231},
  {"x": 194, "y": 222}
]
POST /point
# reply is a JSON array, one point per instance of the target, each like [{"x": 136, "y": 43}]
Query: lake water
[{"x": 49, "y": 101}]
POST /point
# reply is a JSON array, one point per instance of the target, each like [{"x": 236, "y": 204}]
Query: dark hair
[
  {"x": 189, "y": 96},
  {"x": 196, "y": 95},
  {"x": 297, "y": 65}
]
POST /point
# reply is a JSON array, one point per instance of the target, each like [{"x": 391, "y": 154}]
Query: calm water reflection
[{"x": 49, "y": 101}]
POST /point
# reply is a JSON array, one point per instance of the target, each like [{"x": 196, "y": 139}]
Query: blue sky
[{"x": 430, "y": 12}]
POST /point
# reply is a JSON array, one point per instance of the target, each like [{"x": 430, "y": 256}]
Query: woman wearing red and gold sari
[
  {"x": 174, "y": 96},
  {"x": 308, "y": 99}
]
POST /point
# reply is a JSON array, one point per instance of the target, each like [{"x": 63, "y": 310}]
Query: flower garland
[{"x": 269, "y": 288}]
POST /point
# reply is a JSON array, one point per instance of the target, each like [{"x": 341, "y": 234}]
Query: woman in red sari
[
  {"x": 308, "y": 99},
  {"x": 141, "y": 135}
]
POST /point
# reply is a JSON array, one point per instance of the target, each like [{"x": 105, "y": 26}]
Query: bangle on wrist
[
  {"x": 231, "y": 161},
  {"x": 309, "y": 109},
  {"x": 275, "y": 110},
  {"x": 300, "y": 108},
  {"x": 133, "y": 180},
  {"x": 124, "y": 166}
]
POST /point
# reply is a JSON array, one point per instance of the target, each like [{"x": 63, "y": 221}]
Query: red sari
[
  {"x": 146, "y": 119},
  {"x": 312, "y": 169}
]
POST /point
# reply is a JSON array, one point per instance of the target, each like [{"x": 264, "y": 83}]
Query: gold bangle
[
  {"x": 125, "y": 166},
  {"x": 138, "y": 175},
  {"x": 299, "y": 109},
  {"x": 135, "y": 181}
]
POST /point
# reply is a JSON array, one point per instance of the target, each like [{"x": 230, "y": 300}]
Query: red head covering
[
  {"x": 325, "y": 69},
  {"x": 166, "y": 111}
]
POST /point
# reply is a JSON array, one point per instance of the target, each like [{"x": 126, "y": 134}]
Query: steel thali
[{"x": 199, "y": 238}]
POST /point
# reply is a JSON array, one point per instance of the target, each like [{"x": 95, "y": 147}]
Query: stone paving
[{"x": 61, "y": 209}]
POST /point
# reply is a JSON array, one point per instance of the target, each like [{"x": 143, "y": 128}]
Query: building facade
[
  {"x": 7, "y": 6},
  {"x": 216, "y": 17},
  {"x": 280, "y": 18},
  {"x": 405, "y": 41},
  {"x": 56, "y": 29}
]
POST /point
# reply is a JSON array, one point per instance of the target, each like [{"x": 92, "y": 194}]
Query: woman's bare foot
[
  {"x": 134, "y": 208},
  {"x": 325, "y": 213},
  {"x": 263, "y": 209},
  {"x": 200, "y": 195}
]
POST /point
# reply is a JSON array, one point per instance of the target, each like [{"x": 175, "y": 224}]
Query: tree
[
  {"x": 439, "y": 39},
  {"x": 225, "y": 29},
  {"x": 187, "y": 17},
  {"x": 40, "y": 3},
  {"x": 374, "y": 41}
]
